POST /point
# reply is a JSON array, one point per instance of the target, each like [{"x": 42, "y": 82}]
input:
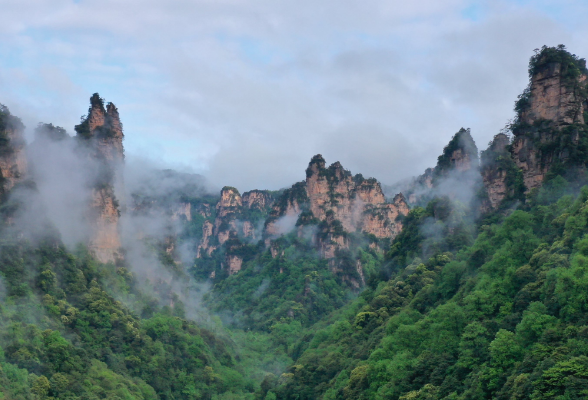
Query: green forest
[{"x": 462, "y": 304}]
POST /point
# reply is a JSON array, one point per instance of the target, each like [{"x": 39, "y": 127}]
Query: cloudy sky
[{"x": 246, "y": 92}]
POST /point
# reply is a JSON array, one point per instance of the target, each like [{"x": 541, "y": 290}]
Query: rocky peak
[
  {"x": 460, "y": 154},
  {"x": 400, "y": 201},
  {"x": 317, "y": 163},
  {"x": 340, "y": 204},
  {"x": 237, "y": 222},
  {"x": 102, "y": 126},
  {"x": 555, "y": 91},
  {"x": 101, "y": 131},
  {"x": 550, "y": 115},
  {"x": 96, "y": 114},
  {"x": 230, "y": 201},
  {"x": 257, "y": 199},
  {"x": 290, "y": 205},
  {"x": 499, "y": 144},
  {"x": 330, "y": 188},
  {"x": 369, "y": 190}
]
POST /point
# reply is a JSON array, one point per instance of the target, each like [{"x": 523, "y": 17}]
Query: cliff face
[
  {"x": 350, "y": 200},
  {"x": 339, "y": 204},
  {"x": 550, "y": 122},
  {"x": 329, "y": 207},
  {"x": 182, "y": 210},
  {"x": 101, "y": 133},
  {"x": 380, "y": 220},
  {"x": 235, "y": 224},
  {"x": 286, "y": 211},
  {"x": 257, "y": 199},
  {"x": 13, "y": 163},
  {"x": 494, "y": 172},
  {"x": 104, "y": 214},
  {"x": 102, "y": 127},
  {"x": 459, "y": 157},
  {"x": 553, "y": 99}
]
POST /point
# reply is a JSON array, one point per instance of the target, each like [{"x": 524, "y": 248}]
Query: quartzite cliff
[
  {"x": 328, "y": 208},
  {"x": 101, "y": 135},
  {"x": 13, "y": 162},
  {"x": 550, "y": 127}
]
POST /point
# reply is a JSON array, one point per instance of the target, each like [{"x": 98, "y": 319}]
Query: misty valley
[{"x": 123, "y": 280}]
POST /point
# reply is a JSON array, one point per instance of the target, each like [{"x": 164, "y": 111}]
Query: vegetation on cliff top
[{"x": 458, "y": 308}]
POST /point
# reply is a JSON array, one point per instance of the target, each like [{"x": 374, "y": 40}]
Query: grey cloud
[{"x": 247, "y": 92}]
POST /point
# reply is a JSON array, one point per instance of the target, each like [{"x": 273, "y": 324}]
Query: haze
[{"x": 247, "y": 92}]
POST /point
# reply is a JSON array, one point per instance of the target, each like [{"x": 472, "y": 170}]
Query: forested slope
[
  {"x": 503, "y": 317},
  {"x": 473, "y": 286}
]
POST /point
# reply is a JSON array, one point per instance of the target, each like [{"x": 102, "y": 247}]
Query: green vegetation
[
  {"x": 51, "y": 132},
  {"x": 498, "y": 316},
  {"x": 8, "y": 124},
  {"x": 571, "y": 66},
  {"x": 499, "y": 160},
  {"x": 459, "y": 306},
  {"x": 461, "y": 141},
  {"x": 294, "y": 289},
  {"x": 546, "y": 58},
  {"x": 64, "y": 335},
  {"x": 104, "y": 131}
]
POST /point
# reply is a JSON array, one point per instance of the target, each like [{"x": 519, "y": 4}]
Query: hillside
[{"x": 468, "y": 282}]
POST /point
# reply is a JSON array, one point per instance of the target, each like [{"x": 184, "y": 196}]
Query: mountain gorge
[{"x": 123, "y": 281}]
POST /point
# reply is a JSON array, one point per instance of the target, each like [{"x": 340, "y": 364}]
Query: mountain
[
  {"x": 481, "y": 298},
  {"x": 121, "y": 280}
]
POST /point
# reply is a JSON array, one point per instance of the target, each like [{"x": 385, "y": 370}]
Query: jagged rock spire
[
  {"x": 103, "y": 126},
  {"x": 549, "y": 128},
  {"x": 102, "y": 131},
  {"x": 460, "y": 154}
]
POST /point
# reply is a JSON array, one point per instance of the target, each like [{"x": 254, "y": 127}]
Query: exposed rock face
[
  {"x": 495, "y": 162},
  {"x": 13, "y": 162},
  {"x": 230, "y": 203},
  {"x": 234, "y": 264},
  {"x": 381, "y": 220},
  {"x": 248, "y": 229},
  {"x": 329, "y": 245},
  {"x": 528, "y": 159},
  {"x": 552, "y": 99},
  {"x": 550, "y": 116},
  {"x": 105, "y": 239},
  {"x": 103, "y": 127},
  {"x": 102, "y": 134},
  {"x": 228, "y": 210},
  {"x": 237, "y": 217},
  {"x": 182, "y": 210},
  {"x": 327, "y": 208},
  {"x": 334, "y": 190},
  {"x": 459, "y": 157},
  {"x": 340, "y": 204},
  {"x": 204, "y": 210},
  {"x": 205, "y": 244}
]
